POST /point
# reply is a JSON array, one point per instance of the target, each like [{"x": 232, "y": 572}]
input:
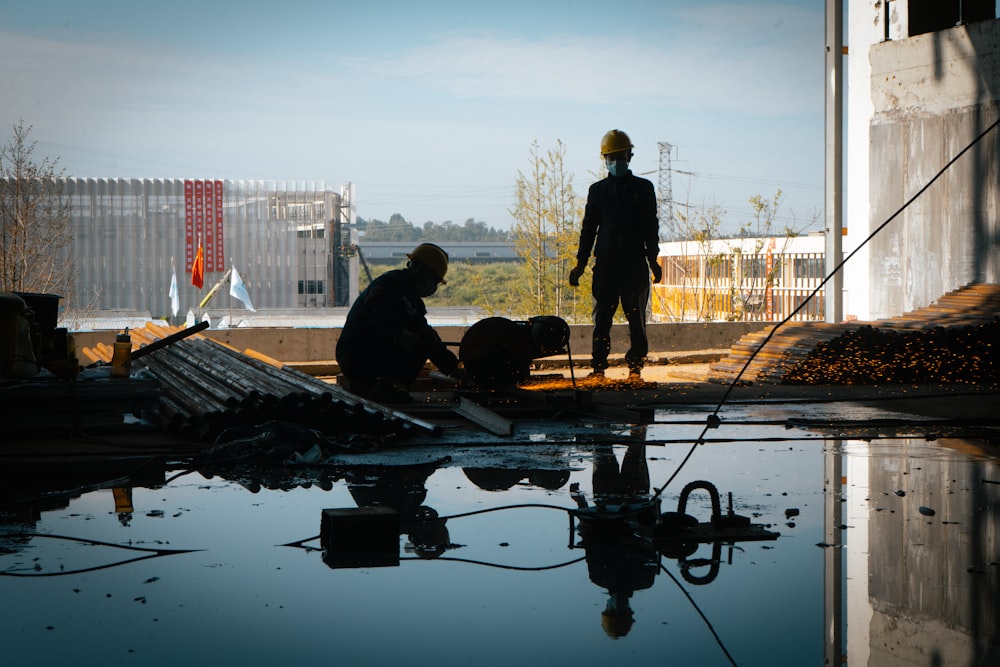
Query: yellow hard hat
[
  {"x": 433, "y": 257},
  {"x": 616, "y": 625},
  {"x": 614, "y": 141}
]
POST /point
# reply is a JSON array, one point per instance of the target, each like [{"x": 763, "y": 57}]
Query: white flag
[
  {"x": 175, "y": 303},
  {"x": 239, "y": 291}
]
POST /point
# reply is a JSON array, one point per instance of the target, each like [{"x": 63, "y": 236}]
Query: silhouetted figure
[
  {"x": 501, "y": 479},
  {"x": 402, "y": 488},
  {"x": 386, "y": 339},
  {"x": 621, "y": 228},
  {"x": 616, "y": 560}
]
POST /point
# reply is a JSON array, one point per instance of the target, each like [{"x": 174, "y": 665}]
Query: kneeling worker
[{"x": 386, "y": 339}]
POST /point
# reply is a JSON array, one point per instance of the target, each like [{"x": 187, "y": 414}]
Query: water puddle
[{"x": 869, "y": 549}]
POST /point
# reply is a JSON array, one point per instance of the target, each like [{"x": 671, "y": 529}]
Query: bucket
[
  {"x": 43, "y": 315},
  {"x": 17, "y": 357},
  {"x": 45, "y": 308}
]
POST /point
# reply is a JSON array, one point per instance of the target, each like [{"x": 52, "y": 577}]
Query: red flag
[{"x": 198, "y": 268}]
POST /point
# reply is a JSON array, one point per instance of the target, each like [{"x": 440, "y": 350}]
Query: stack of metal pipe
[{"x": 209, "y": 387}]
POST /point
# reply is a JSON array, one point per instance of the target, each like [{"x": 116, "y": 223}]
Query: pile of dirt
[{"x": 884, "y": 356}]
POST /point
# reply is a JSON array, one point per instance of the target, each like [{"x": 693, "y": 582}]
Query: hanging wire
[
  {"x": 708, "y": 623},
  {"x": 713, "y": 419},
  {"x": 150, "y": 553},
  {"x": 569, "y": 357}
]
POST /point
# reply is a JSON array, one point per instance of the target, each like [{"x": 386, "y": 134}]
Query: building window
[{"x": 310, "y": 287}]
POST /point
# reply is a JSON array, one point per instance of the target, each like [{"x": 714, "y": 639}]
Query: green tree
[
  {"x": 545, "y": 216},
  {"x": 703, "y": 264},
  {"x": 399, "y": 229},
  {"x": 35, "y": 231},
  {"x": 729, "y": 277},
  {"x": 489, "y": 286},
  {"x": 753, "y": 275}
]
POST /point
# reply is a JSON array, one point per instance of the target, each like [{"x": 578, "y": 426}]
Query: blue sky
[{"x": 430, "y": 108}]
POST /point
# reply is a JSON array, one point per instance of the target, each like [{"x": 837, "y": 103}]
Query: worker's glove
[
  {"x": 575, "y": 273},
  {"x": 657, "y": 271}
]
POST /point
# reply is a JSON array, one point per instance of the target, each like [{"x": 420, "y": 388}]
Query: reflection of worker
[
  {"x": 386, "y": 339},
  {"x": 403, "y": 489},
  {"x": 123, "y": 504},
  {"x": 617, "y": 486},
  {"x": 620, "y": 225},
  {"x": 501, "y": 479},
  {"x": 616, "y": 560}
]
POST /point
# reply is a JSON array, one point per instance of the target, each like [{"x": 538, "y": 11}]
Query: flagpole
[{"x": 173, "y": 285}]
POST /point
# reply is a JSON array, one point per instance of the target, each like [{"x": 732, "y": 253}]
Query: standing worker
[
  {"x": 386, "y": 339},
  {"x": 621, "y": 217}
]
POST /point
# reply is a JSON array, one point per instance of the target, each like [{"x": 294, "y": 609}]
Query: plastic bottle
[{"x": 121, "y": 358}]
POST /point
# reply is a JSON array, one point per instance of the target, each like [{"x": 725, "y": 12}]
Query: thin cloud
[{"x": 719, "y": 58}]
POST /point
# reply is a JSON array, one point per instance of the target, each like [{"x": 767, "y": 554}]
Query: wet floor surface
[{"x": 892, "y": 542}]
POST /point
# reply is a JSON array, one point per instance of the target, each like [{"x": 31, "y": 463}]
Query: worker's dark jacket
[
  {"x": 620, "y": 225},
  {"x": 386, "y": 333}
]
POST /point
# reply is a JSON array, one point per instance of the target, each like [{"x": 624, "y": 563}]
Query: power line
[{"x": 666, "y": 191}]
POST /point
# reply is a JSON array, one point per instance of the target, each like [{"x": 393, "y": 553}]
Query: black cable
[
  {"x": 182, "y": 473},
  {"x": 708, "y": 623},
  {"x": 569, "y": 358},
  {"x": 150, "y": 553},
  {"x": 535, "y": 568},
  {"x": 713, "y": 419},
  {"x": 485, "y": 511}
]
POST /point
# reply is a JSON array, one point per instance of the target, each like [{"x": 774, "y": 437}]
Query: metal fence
[
  {"x": 759, "y": 287},
  {"x": 128, "y": 233}
]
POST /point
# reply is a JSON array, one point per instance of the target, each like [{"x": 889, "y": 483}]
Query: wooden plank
[{"x": 484, "y": 417}]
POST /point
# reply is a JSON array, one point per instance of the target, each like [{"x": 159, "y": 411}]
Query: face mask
[
  {"x": 617, "y": 167},
  {"x": 426, "y": 286}
]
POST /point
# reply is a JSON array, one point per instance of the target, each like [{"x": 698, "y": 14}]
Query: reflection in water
[
  {"x": 918, "y": 540},
  {"x": 618, "y": 558},
  {"x": 123, "y": 504},
  {"x": 25, "y": 538},
  {"x": 923, "y": 554},
  {"x": 25, "y": 496},
  {"x": 403, "y": 489},
  {"x": 622, "y": 533},
  {"x": 502, "y": 479},
  {"x": 27, "y": 491}
]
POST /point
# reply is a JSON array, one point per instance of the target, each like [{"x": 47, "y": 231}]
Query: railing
[
  {"x": 687, "y": 303},
  {"x": 721, "y": 297}
]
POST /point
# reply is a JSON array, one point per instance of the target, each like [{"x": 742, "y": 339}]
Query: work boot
[
  {"x": 635, "y": 374},
  {"x": 384, "y": 390},
  {"x": 596, "y": 373}
]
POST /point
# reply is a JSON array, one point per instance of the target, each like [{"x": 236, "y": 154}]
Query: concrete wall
[
  {"x": 932, "y": 95},
  {"x": 866, "y": 25},
  {"x": 932, "y": 586},
  {"x": 320, "y": 344}
]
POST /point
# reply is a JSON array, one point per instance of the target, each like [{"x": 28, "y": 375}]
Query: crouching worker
[{"x": 386, "y": 339}]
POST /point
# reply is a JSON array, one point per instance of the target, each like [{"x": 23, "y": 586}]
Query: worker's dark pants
[
  {"x": 633, "y": 296},
  {"x": 631, "y": 481},
  {"x": 401, "y": 362}
]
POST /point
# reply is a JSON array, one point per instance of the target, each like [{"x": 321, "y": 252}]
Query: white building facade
[{"x": 130, "y": 236}]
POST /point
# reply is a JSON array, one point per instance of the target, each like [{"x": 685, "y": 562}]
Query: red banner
[
  {"x": 203, "y": 223},
  {"x": 220, "y": 251},
  {"x": 189, "y": 232},
  {"x": 208, "y": 210}
]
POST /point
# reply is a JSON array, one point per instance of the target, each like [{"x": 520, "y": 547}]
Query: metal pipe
[
  {"x": 187, "y": 391},
  {"x": 267, "y": 383},
  {"x": 176, "y": 363},
  {"x": 168, "y": 339},
  {"x": 226, "y": 377}
]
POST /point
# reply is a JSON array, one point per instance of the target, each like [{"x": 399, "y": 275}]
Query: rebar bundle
[{"x": 209, "y": 387}]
